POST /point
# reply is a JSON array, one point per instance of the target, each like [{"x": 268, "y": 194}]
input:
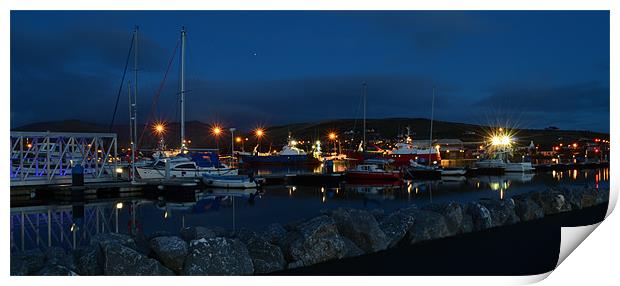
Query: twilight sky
[{"x": 245, "y": 68}]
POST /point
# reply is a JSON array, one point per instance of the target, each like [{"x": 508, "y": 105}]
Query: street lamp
[
  {"x": 259, "y": 132},
  {"x": 216, "y": 131},
  {"x": 159, "y": 128},
  {"x": 332, "y": 136}
]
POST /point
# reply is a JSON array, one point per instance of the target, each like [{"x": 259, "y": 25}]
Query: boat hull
[
  {"x": 373, "y": 176},
  {"x": 278, "y": 160},
  {"x": 229, "y": 182},
  {"x": 153, "y": 173}
]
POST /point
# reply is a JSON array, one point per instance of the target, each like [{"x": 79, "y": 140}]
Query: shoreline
[{"x": 516, "y": 236}]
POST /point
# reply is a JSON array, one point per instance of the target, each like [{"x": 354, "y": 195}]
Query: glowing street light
[
  {"x": 259, "y": 132},
  {"x": 332, "y": 135},
  {"x": 216, "y": 130}
]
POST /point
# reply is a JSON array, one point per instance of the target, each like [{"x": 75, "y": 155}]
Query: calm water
[{"x": 73, "y": 224}]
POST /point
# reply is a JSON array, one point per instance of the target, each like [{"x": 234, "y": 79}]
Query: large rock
[
  {"x": 113, "y": 238},
  {"x": 396, "y": 225},
  {"x": 218, "y": 256},
  {"x": 526, "y": 209},
  {"x": 197, "y": 232},
  {"x": 55, "y": 270},
  {"x": 58, "y": 256},
  {"x": 275, "y": 233},
  {"x": 361, "y": 227},
  {"x": 170, "y": 250},
  {"x": 428, "y": 225},
  {"x": 266, "y": 257},
  {"x": 453, "y": 214},
  {"x": 480, "y": 216},
  {"x": 27, "y": 262},
  {"x": 122, "y": 260},
  {"x": 582, "y": 197},
  {"x": 551, "y": 201},
  {"x": 502, "y": 211},
  {"x": 88, "y": 260},
  {"x": 313, "y": 241},
  {"x": 352, "y": 249},
  {"x": 18, "y": 267}
]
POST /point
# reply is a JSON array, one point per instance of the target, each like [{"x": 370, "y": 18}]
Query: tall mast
[
  {"x": 131, "y": 131},
  {"x": 364, "y": 124},
  {"x": 430, "y": 140},
  {"x": 183, "y": 34},
  {"x": 135, "y": 102}
]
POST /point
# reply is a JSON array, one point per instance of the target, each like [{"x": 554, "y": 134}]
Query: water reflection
[{"x": 73, "y": 224}]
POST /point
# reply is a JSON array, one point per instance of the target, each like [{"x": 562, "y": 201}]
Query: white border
[{"x": 592, "y": 263}]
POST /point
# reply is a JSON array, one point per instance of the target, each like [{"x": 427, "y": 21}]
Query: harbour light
[
  {"x": 119, "y": 170},
  {"x": 119, "y": 205}
]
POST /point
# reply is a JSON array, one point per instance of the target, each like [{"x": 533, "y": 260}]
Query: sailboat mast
[
  {"x": 135, "y": 102},
  {"x": 183, "y": 34},
  {"x": 131, "y": 133},
  {"x": 364, "y": 124},
  {"x": 430, "y": 140}
]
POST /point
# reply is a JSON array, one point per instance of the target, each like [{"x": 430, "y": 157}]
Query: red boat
[{"x": 367, "y": 172}]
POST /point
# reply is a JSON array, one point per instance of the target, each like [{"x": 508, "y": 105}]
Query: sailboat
[
  {"x": 186, "y": 163},
  {"x": 372, "y": 169},
  {"x": 417, "y": 170}
]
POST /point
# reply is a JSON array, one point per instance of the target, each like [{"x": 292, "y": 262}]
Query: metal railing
[{"x": 47, "y": 157}]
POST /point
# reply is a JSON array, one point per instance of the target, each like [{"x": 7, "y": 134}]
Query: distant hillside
[{"x": 199, "y": 133}]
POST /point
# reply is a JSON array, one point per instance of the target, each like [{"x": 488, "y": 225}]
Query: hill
[{"x": 199, "y": 133}]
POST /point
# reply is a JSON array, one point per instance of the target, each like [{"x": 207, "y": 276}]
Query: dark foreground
[{"x": 525, "y": 248}]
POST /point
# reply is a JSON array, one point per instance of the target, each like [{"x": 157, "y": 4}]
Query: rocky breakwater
[{"x": 334, "y": 234}]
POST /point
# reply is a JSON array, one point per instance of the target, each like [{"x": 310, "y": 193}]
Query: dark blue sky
[{"x": 245, "y": 68}]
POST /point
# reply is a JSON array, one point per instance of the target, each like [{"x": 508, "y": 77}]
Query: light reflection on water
[{"x": 74, "y": 225}]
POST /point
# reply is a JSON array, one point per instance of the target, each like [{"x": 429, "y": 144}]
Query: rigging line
[
  {"x": 158, "y": 93},
  {"x": 120, "y": 88}
]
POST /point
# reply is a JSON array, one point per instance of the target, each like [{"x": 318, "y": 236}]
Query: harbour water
[{"x": 70, "y": 224}]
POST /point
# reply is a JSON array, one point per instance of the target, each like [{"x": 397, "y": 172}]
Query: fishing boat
[
  {"x": 371, "y": 172},
  {"x": 289, "y": 155},
  {"x": 405, "y": 151},
  {"x": 229, "y": 181}
]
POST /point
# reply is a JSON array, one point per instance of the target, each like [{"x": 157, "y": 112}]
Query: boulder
[
  {"x": 217, "y": 256},
  {"x": 526, "y": 209},
  {"x": 55, "y": 270},
  {"x": 580, "y": 197},
  {"x": 29, "y": 261},
  {"x": 120, "y": 260},
  {"x": 428, "y": 225},
  {"x": 104, "y": 239},
  {"x": 396, "y": 225},
  {"x": 552, "y": 202},
  {"x": 266, "y": 257},
  {"x": 275, "y": 233},
  {"x": 361, "y": 227},
  {"x": 379, "y": 214},
  {"x": 502, "y": 211},
  {"x": 18, "y": 267},
  {"x": 603, "y": 196},
  {"x": 197, "y": 232},
  {"x": 352, "y": 249},
  {"x": 313, "y": 241},
  {"x": 170, "y": 251},
  {"x": 158, "y": 234},
  {"x": 58, "y": 256},
  {"x": 88, "y": 260},
  {"x": 453, "y": 214},
  {"x": 467, "y": 225},
  {"x": 142, "y": 243},
  {"x": 480, "y": 216}
]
